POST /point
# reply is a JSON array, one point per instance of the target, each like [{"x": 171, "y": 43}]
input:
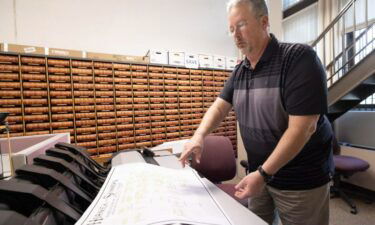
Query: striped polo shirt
[{"x": 288, "y": 80}]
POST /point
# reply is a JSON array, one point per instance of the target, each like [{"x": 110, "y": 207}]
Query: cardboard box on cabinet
[
  {"x": 64, "y": 52},
  {"x": 118, "y": 58},
  {"x": 158, "y": 57},
  {"x": 191, "y": 61},
  {"x": 219, "y": 62},
  {"x": 231, "y": 62},
  {"x": 132, "y": 59},
  {"x": 29, "y": 49},
  {"x": 205, "y": 61},
  {"x": 100, "y": 56},
  {"x": 176, "y": 58}
]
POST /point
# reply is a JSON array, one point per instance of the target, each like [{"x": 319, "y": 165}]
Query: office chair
[
  {"x": 218, "y": 164},
  {"x": 345, "y": 166}
]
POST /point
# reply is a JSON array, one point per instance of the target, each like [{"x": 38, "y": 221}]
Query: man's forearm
[
  {"x": 288, "y": 147},
  {"x": 212, "y": 118},
  {"x": 290, "y": 144}
]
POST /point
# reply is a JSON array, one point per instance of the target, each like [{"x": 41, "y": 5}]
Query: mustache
[{"x": 240, "y": 42}]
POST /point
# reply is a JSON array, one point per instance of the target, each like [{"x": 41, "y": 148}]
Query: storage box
[
  {"x": 205, "y": 61},
  {"x": 191, "y": 61},
  {"x": 100, "y": 56},
  {"x": 219, "y": 62},
  {"x": 64, "y": 52},
  {"x": 119, "y": 58},
  {"x": 158, "y": 57},
  {"x": 176, "y": 58},
  {"x": 231, "y": 62},
  {"x": 22, "y": 49},
  {"x": 132, "y": 59}
]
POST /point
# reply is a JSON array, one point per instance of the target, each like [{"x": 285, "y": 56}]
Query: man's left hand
[{"x": 250, "y": 186}]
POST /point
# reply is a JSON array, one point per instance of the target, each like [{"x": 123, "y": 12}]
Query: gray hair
[{"x": 259, "y": 7}]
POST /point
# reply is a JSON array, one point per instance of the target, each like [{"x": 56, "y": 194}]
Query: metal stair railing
[{"x": 339, "y": 47}]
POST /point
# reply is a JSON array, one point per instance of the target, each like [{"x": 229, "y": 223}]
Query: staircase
[{"x": 347, "y": 52}]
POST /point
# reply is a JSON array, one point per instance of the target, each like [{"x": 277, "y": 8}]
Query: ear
[{"x": 264, "y": 21}]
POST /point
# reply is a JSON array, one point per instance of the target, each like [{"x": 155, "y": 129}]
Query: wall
[
  {"x": 357, "y": 127},
  {"x": 121, "y": 27},
  {"x": 275, "y": 18}
]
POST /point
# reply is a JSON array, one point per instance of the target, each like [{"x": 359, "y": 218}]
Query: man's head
[{"x": 248, "y": 24}]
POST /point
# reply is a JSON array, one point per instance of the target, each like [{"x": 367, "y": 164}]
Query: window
[
  {"x": 357, "y": 17},
  {"x": 366, "y": 105},
  {"x": 365, "y": 43},
  {"x": 302, "y": 27},
  {"x": 289, "y": 3},
  {"x": 357, "y": 29},
  {"x": 369, "y": 101}
]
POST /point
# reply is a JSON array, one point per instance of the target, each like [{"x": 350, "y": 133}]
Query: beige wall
[
  {"x": 128, "y": 27},
  {"x": 357, "y": 127},
  {"x": 275, "y": 17}
]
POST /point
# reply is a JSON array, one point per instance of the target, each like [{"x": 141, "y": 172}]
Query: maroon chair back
[{"x": 218, "y": 162}]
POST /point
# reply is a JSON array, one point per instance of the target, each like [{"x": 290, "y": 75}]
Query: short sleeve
[
  {"x": 227, "y": 92},
  {"x": 305, "y": 90}
]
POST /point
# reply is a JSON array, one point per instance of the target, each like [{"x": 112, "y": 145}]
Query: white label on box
[
  {"x": 191, "y": 61},
  {"x": 5, "y": 47},
  {"x": 46, "y": 51},
  {"x": 84, "y": 54},
  {"x": 29, "y": 49}
]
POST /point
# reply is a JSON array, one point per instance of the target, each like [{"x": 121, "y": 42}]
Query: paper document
[{"x": 140, "y": 194}]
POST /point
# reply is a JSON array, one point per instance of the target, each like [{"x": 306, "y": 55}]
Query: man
[{"x": 279, "y": 96}]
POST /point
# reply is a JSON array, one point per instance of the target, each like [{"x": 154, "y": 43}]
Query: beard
[{"x": 245, "y": 48}]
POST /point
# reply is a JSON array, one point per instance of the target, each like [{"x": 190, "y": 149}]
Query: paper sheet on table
[{"x": 140, "y": 193}]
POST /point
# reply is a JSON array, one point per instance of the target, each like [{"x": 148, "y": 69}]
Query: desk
[
  {"x": 26, "y": 148},
  {"x": 238, "y": 214}
]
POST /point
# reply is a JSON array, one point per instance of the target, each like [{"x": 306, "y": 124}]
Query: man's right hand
[{"x": 193, "y": 147}]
